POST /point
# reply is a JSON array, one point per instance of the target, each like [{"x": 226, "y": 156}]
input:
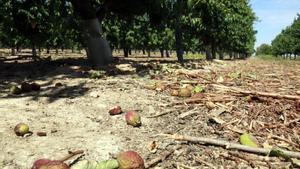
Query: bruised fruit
[
  {"x": 15, "y": 90},
  {"x": 133, "y": 118},
  {"x": 130, "y": 160},
  {"x": 184, "y": 92},
  {"x": 115, "y": 110},
  {"x": 21, "y": 129},
  {"x": 35, "y": 86},
  {"x": 151, "y": 86},
  {"x": 174, "y": 93},
  {"x": 26, "y": 87},
  {"x": 38, "y": 163},
  {"x": 49, "y": 164},
  {"x": 189, "y": 87}
]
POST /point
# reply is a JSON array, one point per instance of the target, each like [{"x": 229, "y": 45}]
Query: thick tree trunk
[
  {"x": 178, "y": 44},
  {"x": 13, "y": 51},
  {"x": 33, "y": 51},
  {"x": 221, "y": 55},
  {"x": 208, "y": 54},
  {"x": 125, "y": 52},
  {"x": 149, "y": 53},
  {"x": 18, "y": 48},
  {"x": 161, "y": 52},
  {"x": 98, "y": 50},
  {"x": 144, "y": 52},
  {"x": 213, "y": 51},
  {"x": 167, "y": 54}
]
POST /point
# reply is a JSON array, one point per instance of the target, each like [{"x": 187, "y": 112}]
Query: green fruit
[
  {"x": 248, "y": 140},
  {"x": 108, "y": 164},
  {"x": 15, "y": 90},
  {"x": 21, "y": 129}
]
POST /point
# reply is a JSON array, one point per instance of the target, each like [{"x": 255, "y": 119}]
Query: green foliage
[
  {"x": 193, "y": 25},
  {"x": 288, "y": 41},
  {"x": 264, "y": 49}
]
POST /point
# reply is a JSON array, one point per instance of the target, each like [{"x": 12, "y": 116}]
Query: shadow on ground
[{"x": 14, "y": 72}]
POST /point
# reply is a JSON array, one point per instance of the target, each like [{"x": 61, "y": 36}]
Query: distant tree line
[
  {"x": 286, "y": 44},
  {"x": 214, "y": 27}
]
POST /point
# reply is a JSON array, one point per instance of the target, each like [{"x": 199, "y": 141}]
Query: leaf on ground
[
  {"x": 220, "y": 79},
  {"x": 198, "y": 89},
  {"x": 248, "y": 140},
  {"x": 235, "y": 75},
  {"x": 296, "y": 162}
]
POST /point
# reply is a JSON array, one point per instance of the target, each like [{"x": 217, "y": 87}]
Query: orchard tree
[{"x": 264, "y": 49}]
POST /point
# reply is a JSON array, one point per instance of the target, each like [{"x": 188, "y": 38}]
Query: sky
[{"x": 273, "y": 15}]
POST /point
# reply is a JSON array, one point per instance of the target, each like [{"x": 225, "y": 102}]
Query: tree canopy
[{"x": 214, "y": 26}]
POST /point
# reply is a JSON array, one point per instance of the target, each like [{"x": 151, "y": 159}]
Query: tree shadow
[{"x": 50, "y": 72}]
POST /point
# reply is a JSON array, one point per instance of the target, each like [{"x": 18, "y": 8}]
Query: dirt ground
[{"x": 75, "y": 115}]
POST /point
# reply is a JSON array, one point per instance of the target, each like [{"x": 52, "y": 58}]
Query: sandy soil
[{"x": 75, "y": 116}]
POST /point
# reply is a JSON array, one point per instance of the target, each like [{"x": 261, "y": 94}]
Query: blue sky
[{"x": 274, "y": 15}]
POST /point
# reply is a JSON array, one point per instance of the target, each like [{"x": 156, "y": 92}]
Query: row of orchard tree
[
  {"x": 216, "y": 27},
  {"x": 286, "y": 44}
]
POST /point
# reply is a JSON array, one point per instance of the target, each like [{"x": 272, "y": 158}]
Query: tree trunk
[
  {"x": 129, "y": 51},
  {"x": 213, "y": 51},
  {"x": 161, "y": 52},
  {"x": 18, "y": 48},
  {"x": 125, "y": 52},
  {"x": 221, "y": 55},
  {"x": 208, "y": 54},
  {"x": 48, "y": 50},
  {"x": 33, "y": 51},
  {"x": 167, "y": 54},
  {"x": 56, "y": 50},
  {"x": 178, "y": 44},
  {"x": 149, "y": 53},
  {"x": 144, "y": 52},
  {"x": 13, "y": 51},
  {"x": 98, "y": 50}
]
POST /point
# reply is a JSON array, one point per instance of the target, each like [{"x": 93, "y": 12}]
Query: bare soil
[{"x": 75, "y": 115}]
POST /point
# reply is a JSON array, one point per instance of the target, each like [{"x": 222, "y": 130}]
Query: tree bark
[
  {"x": 167, "y": 54},
  {"x": 125, "y": 52},
  {"x": 144, "y": 52},
  {"x": 98, "y": 50},
  {"x": 208, "y": 54},
  {"x": 178, "y": 43},
  {"x": 13, "y": 51},
  {"x": 221, "y": 55},
  {"x": 161, "y": 52}
]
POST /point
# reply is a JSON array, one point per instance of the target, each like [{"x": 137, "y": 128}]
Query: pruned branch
[
  {"x": 256, "y": 93},
  {"x": 230, "y": 145}
]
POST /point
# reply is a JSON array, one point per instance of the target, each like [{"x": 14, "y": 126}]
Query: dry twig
[
  {"x": 230, "y": 145},
  {"x": 161, "y": 158}
]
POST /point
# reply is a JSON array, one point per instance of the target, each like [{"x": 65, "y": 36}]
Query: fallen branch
[
  {"x": 161, "y": 158},
  {"x": 230, "y": 145},
  {"x": 264, "y": 94},
  {"x": 72, "y": 154}
]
